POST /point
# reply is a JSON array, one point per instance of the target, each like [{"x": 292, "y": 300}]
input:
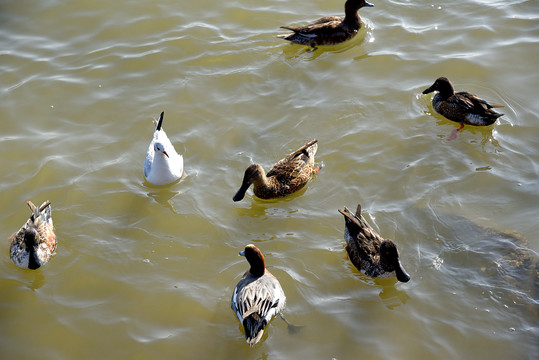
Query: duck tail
[
  {"x": 253, "y": 330},
  {"x": 291, "y": 28},
  {"x": 41, "y": 214},
  {"x": 35, "y": 210},
  {"x": 310, "y": 143},
  {"x": 355, "y": 223},
  {"x": 358, "y": 211},
  {"x": 309, "y": 148},
  {"x": 493, "y": 114},
  {"x": 44, "y": 205}
]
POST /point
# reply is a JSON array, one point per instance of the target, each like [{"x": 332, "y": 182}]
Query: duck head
[
  {"x": 442, "y": 85},
  {"x": 355, "y": 5},
  {"x": 31, "y": 241},
  {"x": 254, "y": 174},
  {"x": 389, "y": 259},
  {"x": 255, "y": 258}
]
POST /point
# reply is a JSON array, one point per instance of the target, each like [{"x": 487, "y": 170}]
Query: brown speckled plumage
[
  {"x": 35, "y": 242},
  {"x": 285, "y": 177},
  {"x": 329, "y": 30}
]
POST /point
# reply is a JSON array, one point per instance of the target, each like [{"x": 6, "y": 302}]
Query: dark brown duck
[
  {"x": 368, "y": 251},
  {"x": 329, "y": 30},
  {"x": 461, "y": 107}
]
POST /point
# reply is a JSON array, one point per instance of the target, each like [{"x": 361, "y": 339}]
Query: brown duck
[
  {"x": 368, "y": 251},
  {"x": 461, "y": 107},
  {"x": 35, "y": 242},
  {"x": 285, "y": 177},
  {"x": 329, "y": 30}
]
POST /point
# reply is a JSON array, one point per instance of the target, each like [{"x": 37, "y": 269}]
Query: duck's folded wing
[
  {"x": 465, "y": 100},
  {"x": 292, "y": 165},
  {"x": 361, "y": 234},
  {"x": 255, "y": 299},
  {"x": 329, "y": 22}
]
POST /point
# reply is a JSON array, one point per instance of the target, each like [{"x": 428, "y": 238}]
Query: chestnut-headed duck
[
  {"x": 368, "y": 251},
  {"x": 258, "y": 297},
  {"x": 35, "y": 242},
  {"x": 329, "y": 30},
  {"x": 285, "y": 177}
]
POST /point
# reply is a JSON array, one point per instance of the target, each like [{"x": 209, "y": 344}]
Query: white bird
[{"x": 163, "y": 164}]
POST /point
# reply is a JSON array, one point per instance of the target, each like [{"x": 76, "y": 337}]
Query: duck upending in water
[
  {"x": 285, "y": 177},
  {"x": 461, "y": 107},
  {"x": 368, "y": 251},
  {"x": 163, "y": 165},
  {"x": 329, "y": 30},
  {"x": 35, "y": 242},
  {"x": 258, "y": 296}
]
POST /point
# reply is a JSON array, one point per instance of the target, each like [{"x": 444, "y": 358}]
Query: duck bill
[
  {"x": 241, "y": 192},
  {"x": 368, "y": 4},
  {"x": 402, "y": 275},
  {"x": 428, "y": 90}
]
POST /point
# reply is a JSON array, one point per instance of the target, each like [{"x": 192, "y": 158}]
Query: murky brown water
[{"x": 147, "y": 272}]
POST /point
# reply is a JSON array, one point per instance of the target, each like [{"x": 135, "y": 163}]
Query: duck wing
[
  {"x": 256, "y": 300},
  {"x": 324, "y": 24},
  {"x": 296, "y": 160},
  {"x": 296, "y": 168},
  {"x": 473, "y": 104},
  {"x": 363, "y": 243}
]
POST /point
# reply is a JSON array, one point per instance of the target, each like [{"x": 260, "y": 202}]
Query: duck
[
  {"x": 258, "y": 297},
  {"x": 35, "y": 242},
  {"x": 368, "y": 251},
  {"x": 285, "y": 177},
  {"x": 461, "y": 107},
  {"x": 329, "y": 30},
  {"x": 163, "y": 165}
]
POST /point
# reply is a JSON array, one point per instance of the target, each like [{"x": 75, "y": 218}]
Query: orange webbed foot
[{"x": 455, "y": 132}]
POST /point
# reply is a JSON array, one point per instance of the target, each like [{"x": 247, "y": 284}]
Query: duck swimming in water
[
  {"x": 461, "y": 107},
  {"x": 329, "y": 30},
  {"x": 368, "y": 251},
  {"x": 258, "y": 296},
  {"x": 35, "y": 242},
  {"x": 285, "y": 177}
]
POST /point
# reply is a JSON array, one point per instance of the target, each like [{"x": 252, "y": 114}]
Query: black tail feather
[{"x": 160, "y": 121}]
